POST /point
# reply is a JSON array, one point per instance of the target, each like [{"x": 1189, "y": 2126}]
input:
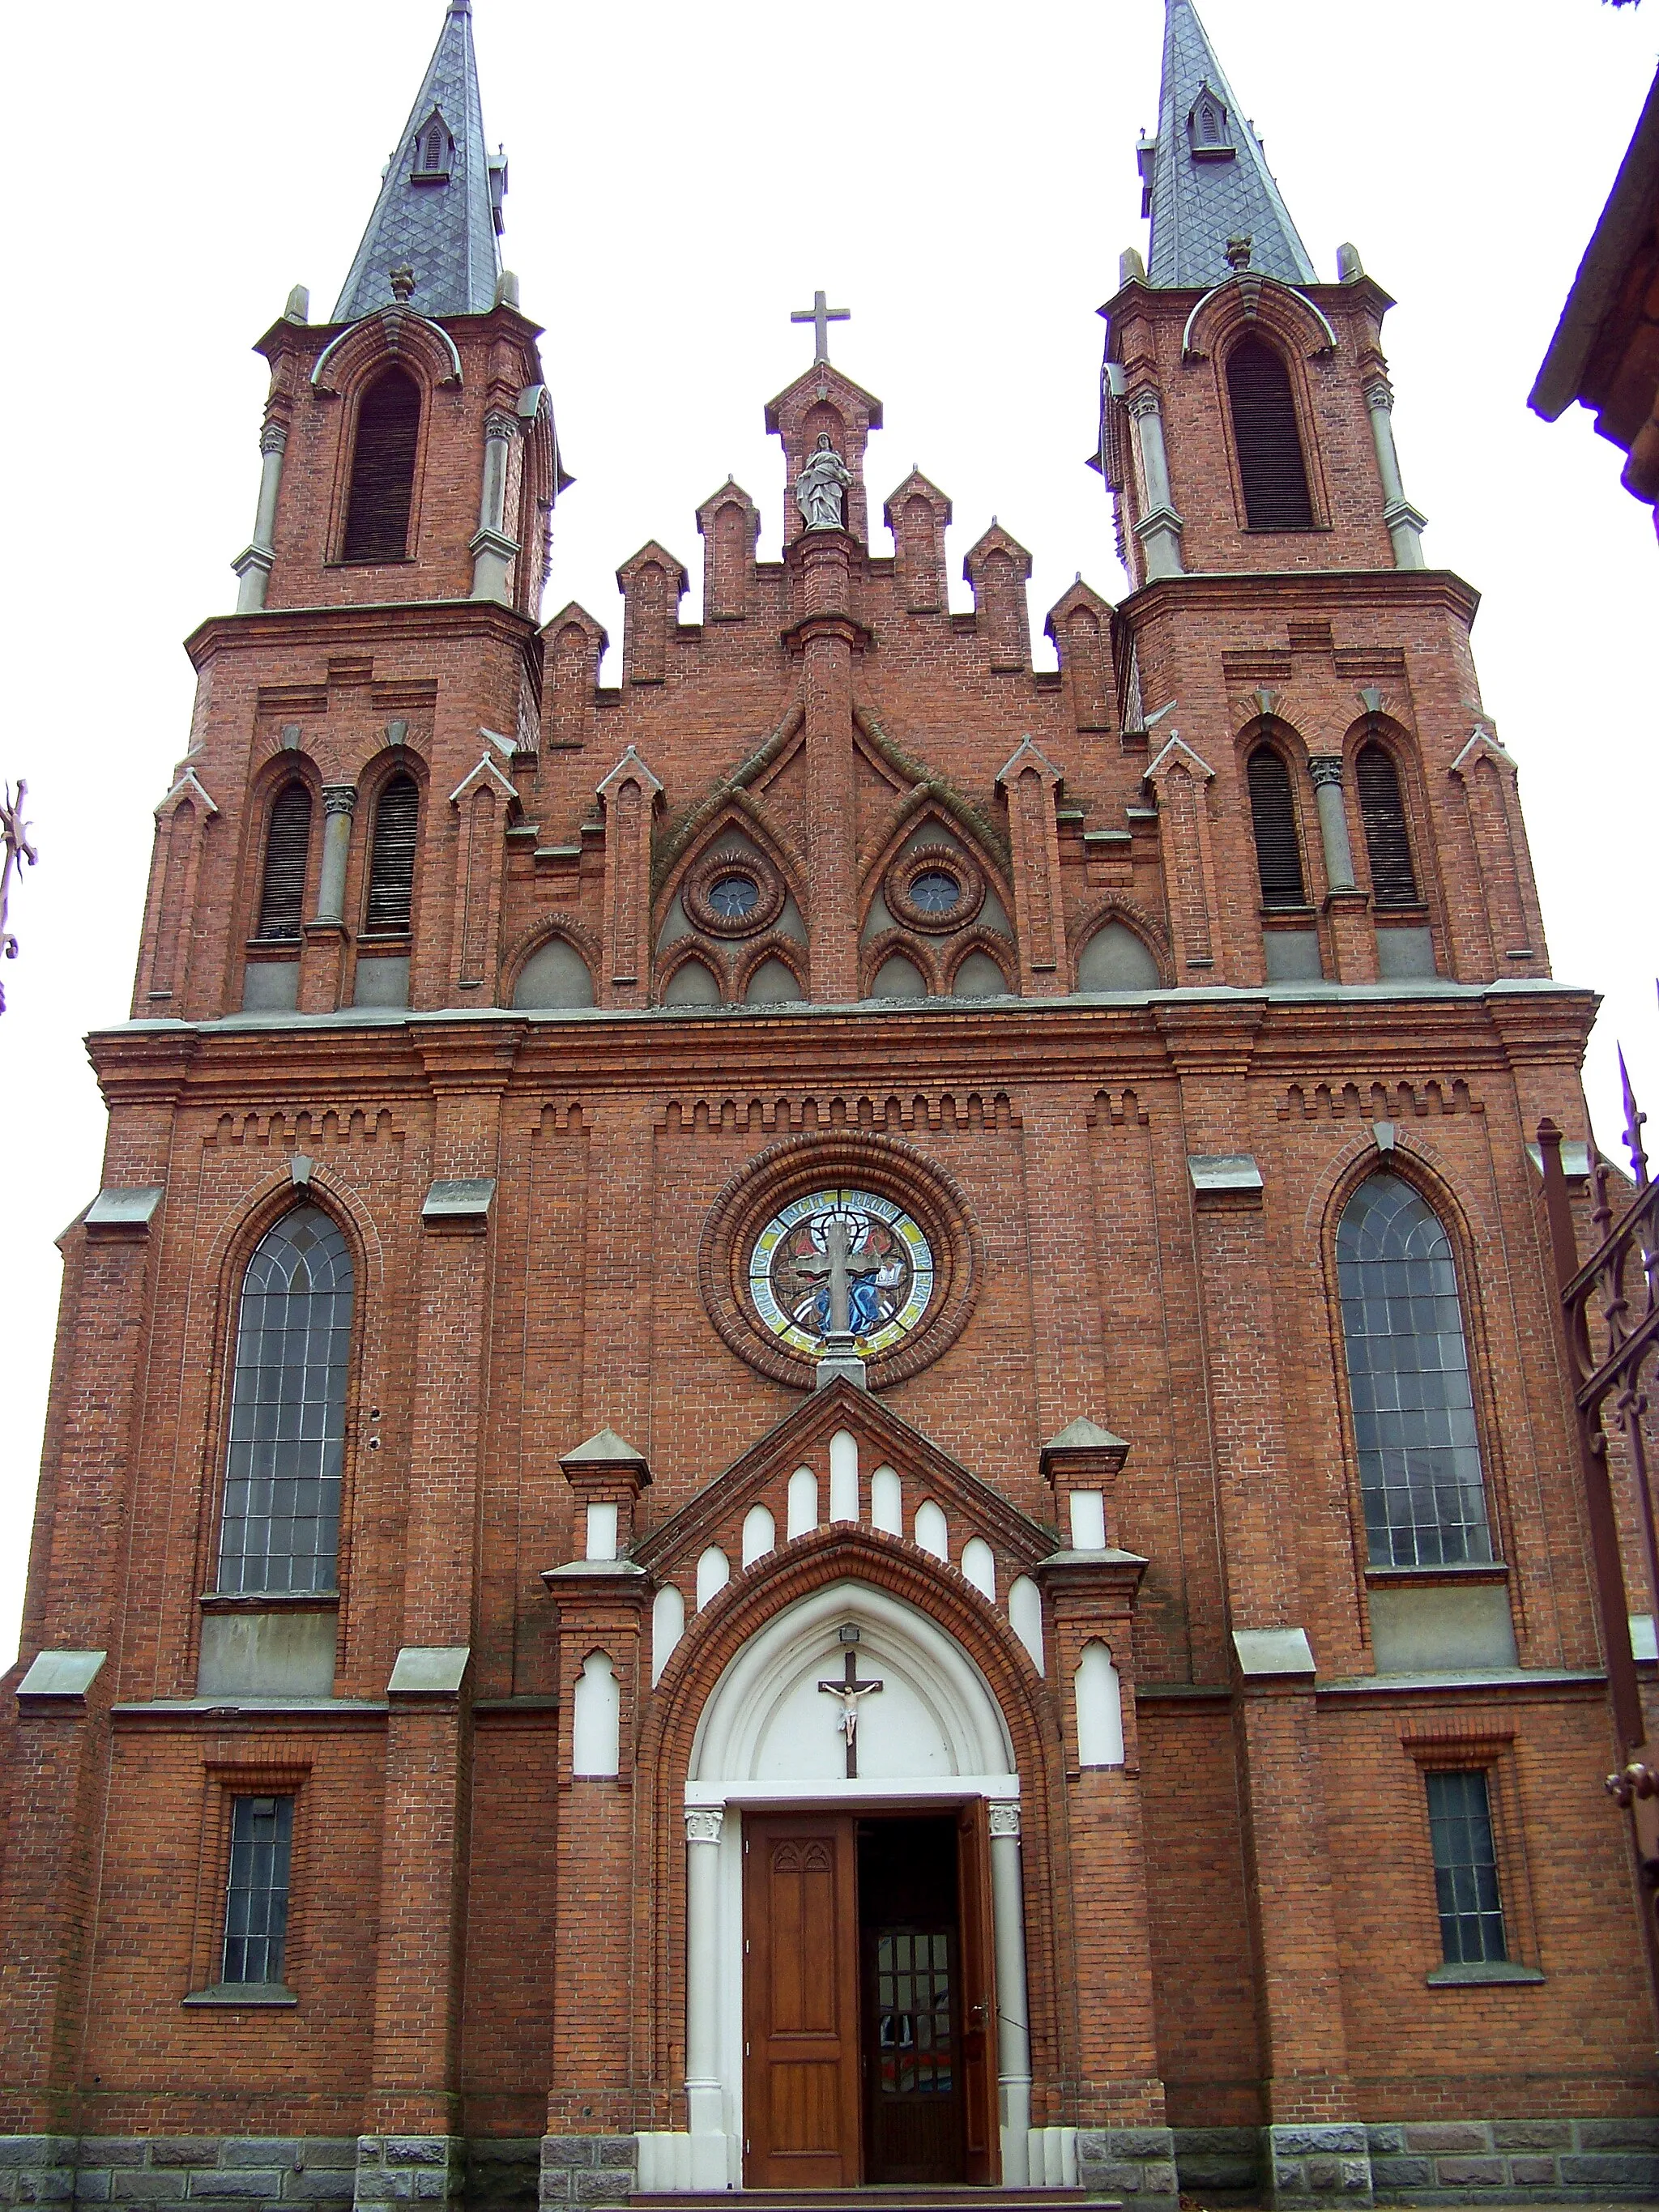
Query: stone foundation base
[
  {"x": 428, "y": 2170},
  {"x": 1135, "y": 2162},
  {"x": 1218, "y": 2160},
  {"x": 1515, "y": 2162},
  {"x": 319, "y": 2172},
  {"x": 1317, "y": 2163},
  {"x": 589, "y": 2169}
]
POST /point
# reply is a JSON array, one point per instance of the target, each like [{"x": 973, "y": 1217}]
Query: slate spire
[
  {"x": 1205, "y": 177},
  {"x": 440, "y": 208}
]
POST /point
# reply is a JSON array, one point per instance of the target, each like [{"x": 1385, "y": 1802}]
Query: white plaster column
[
  {"x": 1405, "y": 525},
  {"x": 253, "y": 566},
  {"x": 1013, "y": 2028},
  {"x": 339, "y": 802},
  {"x": 704, "y": 2096},
  {"x": 1326, "y": 769},
  {"x": 1159, "y": 526},
  {"x": 493, "y": 552}
]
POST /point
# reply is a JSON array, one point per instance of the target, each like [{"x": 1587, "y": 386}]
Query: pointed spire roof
[
  {"x": 439, "y": 210},
  {"x": 1206, "y": 175}
]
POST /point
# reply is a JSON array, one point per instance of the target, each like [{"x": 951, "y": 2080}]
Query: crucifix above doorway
[{"x": 850, "y": 1690}]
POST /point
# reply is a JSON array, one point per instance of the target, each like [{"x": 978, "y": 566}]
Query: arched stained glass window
[
  {"x": 282, "y": 1516},
  {"x": 1408, "y": 1381}
]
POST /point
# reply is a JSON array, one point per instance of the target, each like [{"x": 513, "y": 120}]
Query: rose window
[
  {"x": 935, "y": 891},
  {"x": 734, "y": 898}
]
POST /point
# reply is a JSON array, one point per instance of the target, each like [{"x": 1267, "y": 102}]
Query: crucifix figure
[
  {"x": 821, "y": 316},
  {"x": 850, "y": 1690},
  {"x": 839, "y": 1267}
]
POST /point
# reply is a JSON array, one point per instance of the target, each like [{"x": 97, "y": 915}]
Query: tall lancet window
[
  {"x": 392, "y": 855},
  {"x": 288, "y": 851},
  {"x": 1394, "y": 880},
  {"x": 1270, "y": 463},
  {"x": 383, "y": 469},
  {"x": 1408, "y": 1381},
  {"x": 1273, "y": 819},
  {"x": 282, "y": 1517}
]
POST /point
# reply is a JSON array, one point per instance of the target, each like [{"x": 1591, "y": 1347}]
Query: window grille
[
  {"x": 1270, "y": 460},
  {"x": 1464, "y": 1867},
  {"x": 383, "y": 470},
  {"x": 1408, "y": 1382},
  {"x": 281, "y": 1516},
  {"x": 288, "y": 851},
  {"x": 392, "y": 855},
  {"x": 256, "y": 1894},
  {"x": 1273, "y": 814},
  {"x": 1394, "y": 880}
]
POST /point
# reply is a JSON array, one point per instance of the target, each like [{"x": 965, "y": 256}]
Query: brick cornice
[
  {"x": 422, "y": 621},
  {"x": 1285, "y": 592},
  {"x": 1049, "y": 1044}
]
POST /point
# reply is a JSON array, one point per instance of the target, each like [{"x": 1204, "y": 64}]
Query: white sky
[{"x": 962, "y": 177}]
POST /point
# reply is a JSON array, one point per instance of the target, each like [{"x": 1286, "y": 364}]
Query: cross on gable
[{"x": 821, "y": 315}]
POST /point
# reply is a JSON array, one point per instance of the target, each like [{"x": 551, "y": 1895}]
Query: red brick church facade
[{"x": 811, "y": 1434}]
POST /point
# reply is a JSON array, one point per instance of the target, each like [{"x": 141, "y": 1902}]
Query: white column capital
[
  {"x": 703, "y": 1823},
  {"x": 1005, "y": 1816}
]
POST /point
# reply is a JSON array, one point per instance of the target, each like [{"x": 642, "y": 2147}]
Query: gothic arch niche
[
  {"x": 767, "y": 1735},
  {"x": 556, "y": 976},
  {"x": 279, "y": 880},
  {"x": 731, "y": 907},
  {"x": 932, "y": 898},
  {"x": 1121, "y": 950}
]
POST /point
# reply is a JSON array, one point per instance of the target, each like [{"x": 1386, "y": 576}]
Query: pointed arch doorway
[{"x": 855, "y": 1989}]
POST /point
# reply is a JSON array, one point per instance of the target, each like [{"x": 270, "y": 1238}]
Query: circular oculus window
[
  {"x": 836, "y": 1249},
  {"x": 731, "y": 894},
  {"x": 936, "y": 888},
  {"x": 734, "y": 898}
]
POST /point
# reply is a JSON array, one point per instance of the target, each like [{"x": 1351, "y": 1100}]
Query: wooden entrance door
[
  {"x": 800, "y": 2101},
  {"x": 982, "y": 2136}
]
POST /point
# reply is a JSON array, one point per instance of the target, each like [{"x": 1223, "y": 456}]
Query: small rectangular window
[
  {"x": 256, "y": 1894},
  {"x": 1464, "y": 1867}
]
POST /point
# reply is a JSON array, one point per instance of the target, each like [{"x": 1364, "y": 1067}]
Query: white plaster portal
[{"x": 768, "y": 1736}]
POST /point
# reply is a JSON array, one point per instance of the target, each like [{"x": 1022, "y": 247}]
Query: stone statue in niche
[{"x": 822, "y": 486}]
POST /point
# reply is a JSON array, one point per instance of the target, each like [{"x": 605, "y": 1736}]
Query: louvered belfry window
[
  {"x": 287, "y": 849},
  {"x": 392, "y": 855},
  {"x": 383, "y": 469},
  {"x": 1273, "y": 814},
  {"x": 1394, "y": 880},
  {"x": 1269, "y": 447}
]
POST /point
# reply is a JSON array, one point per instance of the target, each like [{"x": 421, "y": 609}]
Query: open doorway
[
  {"x": 869, "y": 2002},
  {"x": 911, "y": 2000}
]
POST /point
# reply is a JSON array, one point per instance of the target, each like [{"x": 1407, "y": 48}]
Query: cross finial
[{"x": 821, "y": 315}]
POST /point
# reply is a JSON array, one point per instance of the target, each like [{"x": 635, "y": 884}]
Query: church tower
[{"x": 811, "y": 1434}]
